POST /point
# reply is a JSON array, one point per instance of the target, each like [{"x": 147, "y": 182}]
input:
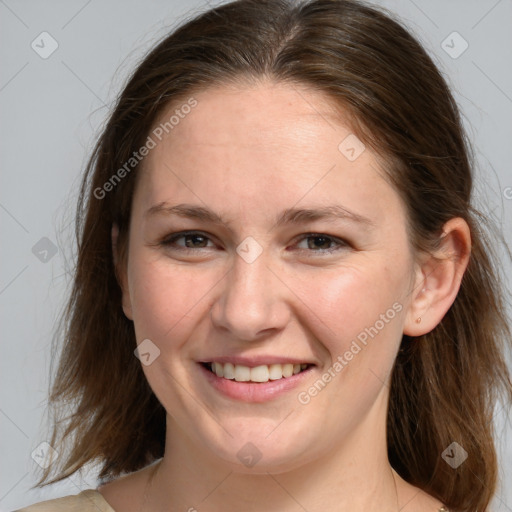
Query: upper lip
[{"x": 253, "y": 361}]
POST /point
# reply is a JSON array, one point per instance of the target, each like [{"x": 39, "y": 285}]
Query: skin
[{"x": 247, "y": 153}]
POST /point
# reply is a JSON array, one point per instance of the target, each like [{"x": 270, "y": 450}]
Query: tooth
[
  {"x": 275, "y": 372},
  {"x": 287, "y": 370},
  {"x": 242, "y": 373},
  {"x": 218, "y": 368},
  {"x": 229, "y": 371},
  {"x": 260, "y": 373}
]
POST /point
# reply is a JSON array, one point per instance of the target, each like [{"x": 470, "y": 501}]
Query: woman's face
[{"x": 252, "y": 287}]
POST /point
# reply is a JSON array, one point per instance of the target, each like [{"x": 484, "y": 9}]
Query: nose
[{"x": 252, "y": 303}]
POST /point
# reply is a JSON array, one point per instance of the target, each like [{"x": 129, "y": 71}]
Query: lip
[
  {"x": 254, "y": 361},
  {"x": 254, "y": 392}
]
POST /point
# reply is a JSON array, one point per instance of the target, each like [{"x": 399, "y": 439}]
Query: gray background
[{"x": 50, "y": 111}]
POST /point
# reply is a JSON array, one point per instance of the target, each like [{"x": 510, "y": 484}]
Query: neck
[{"x": 353, "y": 475}]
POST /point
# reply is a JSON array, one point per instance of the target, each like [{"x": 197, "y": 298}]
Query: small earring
[{"x": 418, "y": 320}]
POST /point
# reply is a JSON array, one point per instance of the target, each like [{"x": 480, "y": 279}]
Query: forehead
[
  {"x": 265, "y": 115},
  {"x": 272, "y": 143}
]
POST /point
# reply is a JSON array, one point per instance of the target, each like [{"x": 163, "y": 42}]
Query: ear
[
  {"x": 121, "y": 273},
  {"x": 438, "y": 279}
]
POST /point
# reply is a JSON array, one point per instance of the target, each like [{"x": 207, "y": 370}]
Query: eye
[
  {"x": 192, "y": 240},
  {"x": 322, "y": 243},
  {"x": 315, "y": 242}
]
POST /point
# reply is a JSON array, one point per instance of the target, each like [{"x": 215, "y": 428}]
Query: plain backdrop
[{"x": 51, "y": 109}]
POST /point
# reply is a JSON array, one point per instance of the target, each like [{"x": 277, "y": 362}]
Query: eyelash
[{"x": 171, "y": 239}]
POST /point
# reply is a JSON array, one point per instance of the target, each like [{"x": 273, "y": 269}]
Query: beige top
[{"x": 86, "y": 501}]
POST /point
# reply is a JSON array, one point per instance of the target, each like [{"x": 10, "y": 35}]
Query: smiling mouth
[{"x": 257, "y": 374}]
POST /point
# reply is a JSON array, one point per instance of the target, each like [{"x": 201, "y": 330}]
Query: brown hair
[{"x": 444, "y": 384}]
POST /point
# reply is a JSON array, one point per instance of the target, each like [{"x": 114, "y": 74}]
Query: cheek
[
  {"x": 349, "y": 305},
  {"x": 357, "y": 317},
  {"x": 167, "y": 298}
]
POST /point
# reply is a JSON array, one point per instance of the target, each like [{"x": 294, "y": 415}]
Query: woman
[{"x": 278, "y": 273}]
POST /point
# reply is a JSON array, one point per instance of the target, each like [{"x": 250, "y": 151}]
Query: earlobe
[
  {"x": 438, "y": 280},
  {"x": 120, "y": 273}
]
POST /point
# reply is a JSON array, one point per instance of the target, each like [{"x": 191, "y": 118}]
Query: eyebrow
[{"x": 288, "y": 216}]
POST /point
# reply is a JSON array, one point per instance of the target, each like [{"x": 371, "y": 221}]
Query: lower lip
[{"x": 255, "y": 392}]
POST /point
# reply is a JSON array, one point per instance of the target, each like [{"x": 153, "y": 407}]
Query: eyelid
[
  {"x": 168, "y": 239},
  {"x": 341, "y": 244}
]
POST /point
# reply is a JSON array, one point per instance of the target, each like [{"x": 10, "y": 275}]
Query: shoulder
[{"x": 89, "y": 500}]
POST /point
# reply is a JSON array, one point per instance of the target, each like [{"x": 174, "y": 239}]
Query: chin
[{"x": 258, "y": 453}]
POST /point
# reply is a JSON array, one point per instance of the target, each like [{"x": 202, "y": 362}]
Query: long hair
[{"x": 444, "y": 384}]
